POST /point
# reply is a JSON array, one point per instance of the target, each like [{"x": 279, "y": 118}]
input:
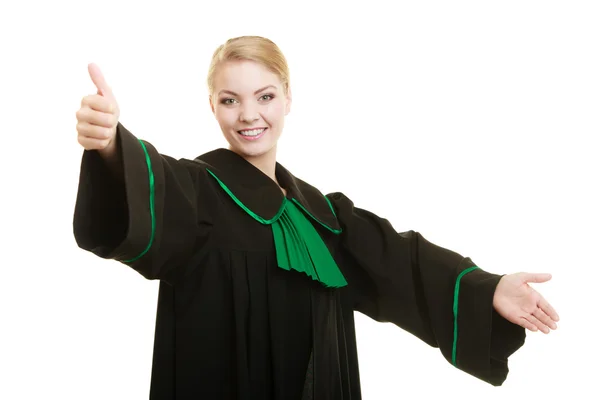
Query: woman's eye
[{"x": 230, "y": 101}]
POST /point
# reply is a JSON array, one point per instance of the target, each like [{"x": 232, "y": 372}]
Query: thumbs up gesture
[{"x": 98, "y": 116}]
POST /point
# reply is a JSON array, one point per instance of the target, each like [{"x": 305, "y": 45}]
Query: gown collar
[{"x": 261, "y": 195}]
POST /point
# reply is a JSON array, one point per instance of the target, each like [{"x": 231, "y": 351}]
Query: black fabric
[
  {"x": 230, "y": 323},
  {"x": 259, "y": 193}
]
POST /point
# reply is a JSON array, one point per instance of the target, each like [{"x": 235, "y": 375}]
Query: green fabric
[
  {"x": 455, "y": 310},
  {"x": 151, "y": 204},
  {"x": 298, "y": 245}
]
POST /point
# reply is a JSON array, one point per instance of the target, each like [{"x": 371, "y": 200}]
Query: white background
[{"x": 472, "y": 122}]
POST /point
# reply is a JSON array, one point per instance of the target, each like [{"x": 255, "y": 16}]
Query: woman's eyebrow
[{"x": 258, "y": 91}]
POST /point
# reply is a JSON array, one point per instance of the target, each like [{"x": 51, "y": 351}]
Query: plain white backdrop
[{"x": 474, "y": 123}]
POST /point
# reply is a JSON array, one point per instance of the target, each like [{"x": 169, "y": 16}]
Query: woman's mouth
[{"x": 252, "y": 134}]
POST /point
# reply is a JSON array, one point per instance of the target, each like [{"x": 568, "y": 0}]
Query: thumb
[
  {"x": 99, "y": 80},
  {"x": 536, "y": 278}
]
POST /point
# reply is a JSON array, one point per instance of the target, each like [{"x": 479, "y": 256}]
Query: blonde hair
[{"x": 250, "y": 48}]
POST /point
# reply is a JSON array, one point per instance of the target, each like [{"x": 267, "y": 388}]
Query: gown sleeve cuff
[
  {"x": 483, "y": 340},
  {"x": 115, "y": 218}
]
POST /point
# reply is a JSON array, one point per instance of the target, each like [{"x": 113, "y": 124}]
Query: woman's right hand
[{"x": 98, "y": 116}]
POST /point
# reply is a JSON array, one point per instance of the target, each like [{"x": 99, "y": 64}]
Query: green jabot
[{"x": 298, "y": 245}]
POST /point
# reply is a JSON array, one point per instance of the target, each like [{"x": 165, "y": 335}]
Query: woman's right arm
[
  {"x": 135, "y": 205},
  {"x": 143, "y": 209}
]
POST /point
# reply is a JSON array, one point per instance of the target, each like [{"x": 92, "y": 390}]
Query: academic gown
[{"x": 233, "y": 322}]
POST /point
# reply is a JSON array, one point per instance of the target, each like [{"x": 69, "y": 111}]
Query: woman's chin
[{"x": 251, "y": 150}]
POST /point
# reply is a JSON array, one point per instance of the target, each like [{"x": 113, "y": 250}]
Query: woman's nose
[{"x": 248, "y": 114}]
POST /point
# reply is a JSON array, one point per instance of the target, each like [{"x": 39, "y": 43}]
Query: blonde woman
[{"x": 260, "y": 273}]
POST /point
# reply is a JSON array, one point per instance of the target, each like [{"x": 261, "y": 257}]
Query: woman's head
[{"x": 249, "y": 88}]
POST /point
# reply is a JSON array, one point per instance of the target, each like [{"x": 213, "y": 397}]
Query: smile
[{"x": 252, "y": 134}]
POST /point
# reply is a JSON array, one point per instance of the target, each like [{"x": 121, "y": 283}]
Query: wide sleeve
[
  {"x": 152, "y": 218},
  {"x": 439, "y": 296}
]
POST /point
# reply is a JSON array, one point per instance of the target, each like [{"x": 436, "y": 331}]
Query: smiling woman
[
  {"x": 260, "y": 273},
  {"x": 246, "y": 114},
  {"x": 250, "y": 95}
]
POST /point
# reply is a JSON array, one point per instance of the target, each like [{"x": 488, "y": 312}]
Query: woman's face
[{"x": 250, "y": 106}]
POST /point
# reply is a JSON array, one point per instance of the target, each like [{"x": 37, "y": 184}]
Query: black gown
[{"x": 233, "y": 324}]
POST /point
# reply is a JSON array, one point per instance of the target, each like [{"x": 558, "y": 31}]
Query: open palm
[{"x": 519, "y": 303}]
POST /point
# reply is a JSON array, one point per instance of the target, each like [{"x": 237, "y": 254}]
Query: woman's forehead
[{"x": 244, "y": 76}]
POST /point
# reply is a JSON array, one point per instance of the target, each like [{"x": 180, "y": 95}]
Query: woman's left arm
[{"x": 474, "y": 317}]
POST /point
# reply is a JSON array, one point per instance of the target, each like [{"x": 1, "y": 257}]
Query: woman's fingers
[
  {"x": 537, "y": 323},
  {"x": 548, "y": 309},
  {"x": 544, "y": 318}
]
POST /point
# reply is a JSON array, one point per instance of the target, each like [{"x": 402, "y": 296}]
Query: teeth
[{"x": 254, "y": 132}]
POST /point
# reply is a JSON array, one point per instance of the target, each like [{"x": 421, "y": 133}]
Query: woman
[{"x": 261, "y": 273}]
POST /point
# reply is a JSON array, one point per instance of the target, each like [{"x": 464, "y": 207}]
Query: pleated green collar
[{"x": 298, "y": 244}]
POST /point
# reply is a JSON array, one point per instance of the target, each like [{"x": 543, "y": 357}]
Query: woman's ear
[
  {"x": 288, "y": 100},
  {"x": 212, "y": 106}
]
